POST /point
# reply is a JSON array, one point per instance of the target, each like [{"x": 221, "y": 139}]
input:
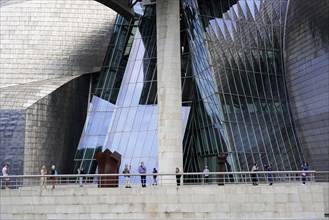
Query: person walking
[
  {"x": 305, "y": 167},
  {"x": 142, "y": 170},
  {"x": 54, "y": 173},
  {"x": 155, "y": 177},
  {"x": 5, "y": 173},
  {"x": 254, "y": 179},
  {"x": 206, "y": 174},
  {"x": 268, "y": 167},
  {"x": 178, "y": 176},
  {"x": 43, "y": 179},
  {"x": 126, "y": 170}
]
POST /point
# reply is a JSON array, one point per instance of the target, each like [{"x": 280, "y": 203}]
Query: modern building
[{"x": 177, "y": 84}]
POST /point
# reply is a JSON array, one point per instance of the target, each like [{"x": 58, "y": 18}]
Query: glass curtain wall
[
  {"x": 234, "y": 99},
  {"x": 104, "y": 96},
  {"x": 243, "y": 111},
  {"x": 123, "y": 110},
  {"x": 204, "y": 136}
]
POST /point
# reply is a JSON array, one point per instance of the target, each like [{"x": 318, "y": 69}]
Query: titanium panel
[
  {"x": 12, "y": 139},
  {"x": 307, "y": 64}
]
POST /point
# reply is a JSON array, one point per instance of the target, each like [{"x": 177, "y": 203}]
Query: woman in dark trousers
[
  {"x": 254, "y": 175},
  {"x": 142, "y": 170},
  {"x": 269, "y": 175}
]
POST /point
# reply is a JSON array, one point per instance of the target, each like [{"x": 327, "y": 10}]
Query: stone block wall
[
  {"x": 215, "y": 202},
  {"x": 170, "y": 154}
]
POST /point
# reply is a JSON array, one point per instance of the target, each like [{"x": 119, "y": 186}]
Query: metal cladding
[
  {"x": 307, "y": 65},
  {"x": 46, "y": 47}
]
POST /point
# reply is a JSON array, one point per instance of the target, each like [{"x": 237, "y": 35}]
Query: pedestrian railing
[{"x": 163, "y": 179}]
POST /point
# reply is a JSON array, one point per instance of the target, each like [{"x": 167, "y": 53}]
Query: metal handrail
[
  {"x": 166, "y": 174},
  {"x": 196, "y": 178}
]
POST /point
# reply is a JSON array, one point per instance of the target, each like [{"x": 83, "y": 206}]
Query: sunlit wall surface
[
  {"x": 50, "y": 39},
  {"x": 234, "y": 98}
]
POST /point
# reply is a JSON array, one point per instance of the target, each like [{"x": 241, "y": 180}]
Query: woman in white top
[
  {"x": 254, "y": 175},
  {"x": 127, "y": 177},
  {"x": 5, "y": 172}
]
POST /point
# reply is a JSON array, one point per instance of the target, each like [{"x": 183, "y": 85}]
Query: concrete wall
[
  {"x": 307, "y": 65},
  {"x": 218, "y": 202},
  {"x": 170, "y": 149}
]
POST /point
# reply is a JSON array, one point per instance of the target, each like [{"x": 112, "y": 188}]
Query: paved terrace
[{"x": 285, "y": 199}]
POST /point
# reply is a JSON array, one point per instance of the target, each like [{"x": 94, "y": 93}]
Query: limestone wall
[{"x": 218, "y": 202}]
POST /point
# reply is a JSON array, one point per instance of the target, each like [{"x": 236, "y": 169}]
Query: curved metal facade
[
  {"x": 307, "y": 64},
  {"x": 50, "y": 39},
  {"x": 46, "y": 47},
  {"x": 240, "y": 46}
]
